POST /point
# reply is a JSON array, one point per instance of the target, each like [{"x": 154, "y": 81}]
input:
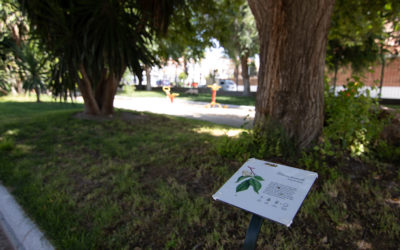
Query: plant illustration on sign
[{"x": 249, "y": 178}]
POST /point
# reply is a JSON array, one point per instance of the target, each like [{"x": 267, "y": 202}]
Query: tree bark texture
[
  {"x": 99, "y": 100},
  {"x": 293, "y": 37},
  {"x": 245, "y": 73}
]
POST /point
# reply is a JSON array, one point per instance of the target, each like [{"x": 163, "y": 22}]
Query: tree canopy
[
  {"x": 359, "y": 30},
  {"x": 13, "y": 32},
  {"x": 236, "y": 31},
  {"x": 94, "y": 41}
]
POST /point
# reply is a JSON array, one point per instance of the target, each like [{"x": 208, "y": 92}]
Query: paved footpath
[{"x": 232, "y": 115}]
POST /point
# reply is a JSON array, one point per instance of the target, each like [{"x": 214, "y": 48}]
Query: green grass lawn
[
  {"x": 202, "y": 97},
  {"x": 16, "y": 109},
  {"x": 145, "y": 180},
  {"x": 394, "y": 107}
]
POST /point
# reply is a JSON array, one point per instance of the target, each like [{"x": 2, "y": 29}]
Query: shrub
[
  {"x": 129, "y": 89},
  {"x": 261, "y": 143},
  {"x": 351, "y": 120}
]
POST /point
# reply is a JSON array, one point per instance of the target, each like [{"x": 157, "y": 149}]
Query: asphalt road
[{"x": 232, "y": 115}]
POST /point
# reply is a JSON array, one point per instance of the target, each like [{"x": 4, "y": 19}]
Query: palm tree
[
  {"x": 95, "y": 41},
  {"x": 31, "y": 64}
]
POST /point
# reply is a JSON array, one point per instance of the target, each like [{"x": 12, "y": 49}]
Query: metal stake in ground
[{"x": 250, "y": 242}]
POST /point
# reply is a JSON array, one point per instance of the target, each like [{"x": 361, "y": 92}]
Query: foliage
[
  {"x": 237, "y": 29},
  {"x": 258, "y": 143},
  {"x": 237, "y": 33},
  {"x": 5, "y": 79},
  {"x": 358, "y": 30},
  {"x": 387, "y": 152},
  {"x": 13, "y": 30},
  {"x": 189, "y": 33},
  {"x": 94, "y": 42},
  {"x": 129, "y": 90},
  {"x": 182, "y": 77},
  {"x": 33, "y": 66},
  {"x": 352, "y": 129},
  {"x": 351, "y": 122}
]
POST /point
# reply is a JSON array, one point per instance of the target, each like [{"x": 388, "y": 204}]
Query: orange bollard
[{"x": 214, "y": 88}]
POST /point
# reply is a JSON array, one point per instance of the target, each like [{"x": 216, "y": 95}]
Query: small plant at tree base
[{"x": 271, "y": 142}]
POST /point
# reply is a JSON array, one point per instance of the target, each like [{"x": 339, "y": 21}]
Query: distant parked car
[
  {"x": 227, "y": 85},
  {"x": 163, "y": 83}
]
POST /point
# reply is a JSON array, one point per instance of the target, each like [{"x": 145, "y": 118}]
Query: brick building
[{"x": 372, "y": 76}]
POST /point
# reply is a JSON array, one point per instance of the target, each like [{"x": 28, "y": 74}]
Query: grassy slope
[{"x": 147, "y": 181}]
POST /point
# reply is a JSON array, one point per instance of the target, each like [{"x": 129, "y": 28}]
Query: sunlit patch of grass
[
  {"x": 22, "y": 149},
  {"x": 215, "y": 131},
  {"x": 11, "y": 132}
]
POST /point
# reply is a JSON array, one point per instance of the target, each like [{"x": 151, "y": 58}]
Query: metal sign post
[
  {"x": 267, "y": 190},
  {"x": 250, "y": 241}
]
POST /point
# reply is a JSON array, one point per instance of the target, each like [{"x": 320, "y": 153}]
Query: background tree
[
  {"x": 33, "y": 66},
  {"x": 189, "y": 34},
  {"x": 293, "y": 37},
  {"x": 237, "y": 33},
  {"x": 13, "y": 29},
  {"x": 95, "y": 41}
]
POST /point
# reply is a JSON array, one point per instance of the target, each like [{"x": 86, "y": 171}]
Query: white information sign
[{"x": 270, "y": 190}]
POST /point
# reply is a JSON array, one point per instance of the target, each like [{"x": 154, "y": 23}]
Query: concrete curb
[{"x": 20, "y": 230}]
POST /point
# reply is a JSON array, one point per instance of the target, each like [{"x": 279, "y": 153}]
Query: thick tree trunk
[
  {"x": 245, "y": 73},
  {"x": 101, "y": 100},
  {"x": 148, "y": 77},
  {"x": 293, "y": 37},
  {"x": 110, "y": 89}
]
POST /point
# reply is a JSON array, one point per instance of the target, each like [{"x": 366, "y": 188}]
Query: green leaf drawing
[
  {"x": 255, "y": 184},
  {"x": 242, "y": 178},
  {"x": 243, "y": 186},
  {"x": 258, "y": 178}
]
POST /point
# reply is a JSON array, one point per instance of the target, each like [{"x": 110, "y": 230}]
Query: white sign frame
[{"x": 270, "y": 190}]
